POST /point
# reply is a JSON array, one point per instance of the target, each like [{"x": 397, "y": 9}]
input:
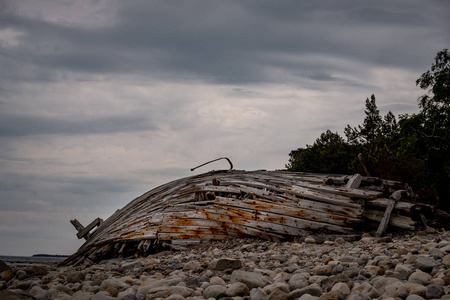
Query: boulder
[
  {"x": 313, "y": 290},
  {"x": 75, "y": 276},
  {"x": 258, "y": 294},
  {"x": 225, "y": 263},
  {"x": 4, "y": 266},
  {"x": 250, "y": 279},
  {"x": 277, "y": 295},
  {"x": 425, "y": 263},
  {"x": 420, "y": 277},
  {"x": 237, "y": 289},
  {"x": 215, "y": 291},
  {"x": 113, "y": 286}
]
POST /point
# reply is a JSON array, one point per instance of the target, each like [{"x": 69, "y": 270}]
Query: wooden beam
[
  {"x": 85, "y": 231},
  {"x": 398, "y": 221},
  {"x": 354, "y": 182},
  {"x": 386, "y": 218},
  {"x": 78, "y": 226}
]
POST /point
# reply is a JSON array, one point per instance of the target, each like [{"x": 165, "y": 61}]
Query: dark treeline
[{"x": 413, "y": 149}]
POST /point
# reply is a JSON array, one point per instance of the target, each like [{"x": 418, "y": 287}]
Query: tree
[
  {"x": 432, "y": 125},
  {"x": 435, "y": 108},
  {"x": 328, "y": 154},
  {"x": 414, "y": 150},
  {"x": 389, "y": 126},
  {"x": 372, "y": 122},
  {"x": 372, "y": 125},
  {"x": 438, "y": 81}
]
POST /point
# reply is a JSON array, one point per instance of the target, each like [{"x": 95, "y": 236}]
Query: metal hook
[{"x": 231, "y": 164}]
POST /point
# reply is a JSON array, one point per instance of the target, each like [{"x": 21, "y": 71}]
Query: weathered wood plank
[
  {"x": 398, "y": 221},
  {"x": 359, "y": 193},
  {"x": 386, "y": 218},
  {"x": 88, "y": 228},
  {"x": 354, "y": 182},
  {"x": 185, "y": 236},
  {"x": 297, "y": 212},
  {"x": 319, "y": 196},
  {"x": 282, "y": 220},
  {"x": 335, "y": 199},
  {"x": 383, "y": 203},
  {"x": 200, "y": 230}
]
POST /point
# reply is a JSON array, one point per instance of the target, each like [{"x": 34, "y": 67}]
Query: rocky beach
[{"x": 412, "y": 266}]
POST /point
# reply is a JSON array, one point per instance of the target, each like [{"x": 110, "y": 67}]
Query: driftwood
[
  {"x": 386, "y": 218},
  {"x": 83, "y": 232},
  {"x": 273, "y": 205}
]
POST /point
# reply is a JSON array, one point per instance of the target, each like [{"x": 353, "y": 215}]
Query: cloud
[
  {"x": 100, "y": 101},
  {"x": 230, "y": 42},
  {"x": 24, "y": 125}
]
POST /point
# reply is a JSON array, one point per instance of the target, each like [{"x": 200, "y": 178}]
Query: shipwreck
[{"x": 272, "y": 205}]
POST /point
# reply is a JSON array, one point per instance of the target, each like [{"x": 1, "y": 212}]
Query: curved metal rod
[{"x": 231, "y": 164}]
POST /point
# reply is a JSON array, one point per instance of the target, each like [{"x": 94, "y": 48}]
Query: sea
[{"x": 24, "y": 261}]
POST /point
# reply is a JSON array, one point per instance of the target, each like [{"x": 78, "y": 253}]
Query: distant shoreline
[{"x": 49, "y": 255}]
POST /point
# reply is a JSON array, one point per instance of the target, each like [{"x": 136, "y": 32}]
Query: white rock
[
  {"x": 342, "y": 287},
  {"x": 276, "y": 286},
  {"x": 403, "y": 271},
  {"x": 251, "y": 279},
  {"x": 126, "y": 292},
  {"x": 215, "y": 291},
  {"x": 37, "y": 292},
  {"x": 81, "y": 296},
  {"x": 420, "y": 277},
  {"x": 216, "y": 281},
  {"x": 258, "y": 294},
  {"x": 237, "y": 289},
  {"x": 364, "y": 290},
  {"x": 175, "y": 297},
  {"x": 131, "y": 265},
  {"x": 192, "y": 265},
  {"x": 297, "y": 281},
  {"x": 103, "y": 295},
  {"x": 446, "y": 261},
  {"x": 181, "y": 290},
  {"x": 310, "y": 240},
  {"x": 394, "y": 290},
  {"x": 414, "y": 297}
]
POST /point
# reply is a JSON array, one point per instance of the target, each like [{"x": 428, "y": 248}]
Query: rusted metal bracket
[{"x": 231, "y": 164}]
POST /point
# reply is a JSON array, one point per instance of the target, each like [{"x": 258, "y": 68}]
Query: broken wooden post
[
  {"x": 363, "y": 165},
  {"x": 396, "y": 196},
  {"x": 386, "y": 218},
  {"x": 83, "y": 232},
  {"x": 77, "y": 224},
  {"x": 354, "y": 182}
]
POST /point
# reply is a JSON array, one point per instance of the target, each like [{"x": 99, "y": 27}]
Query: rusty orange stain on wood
[
  {"x": 131, "y": 235},
  {"x": 137, "y": 222}
]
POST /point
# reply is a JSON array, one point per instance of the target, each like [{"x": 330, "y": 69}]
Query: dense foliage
[{"x": 413, "y": 149}]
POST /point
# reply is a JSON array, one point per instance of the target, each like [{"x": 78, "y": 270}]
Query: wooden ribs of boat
[{"x": 273, "y": 205}]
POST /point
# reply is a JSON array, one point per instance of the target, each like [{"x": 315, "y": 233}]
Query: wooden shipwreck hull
[{"x": 273, "y": 205}]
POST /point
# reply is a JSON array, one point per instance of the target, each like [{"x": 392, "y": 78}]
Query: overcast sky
[{"x": 101, "y": 101}]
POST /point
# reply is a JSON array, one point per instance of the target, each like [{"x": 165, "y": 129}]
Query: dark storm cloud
[
  {"x": 26, "y": 125},
  {"x": 228, "y": 42}
]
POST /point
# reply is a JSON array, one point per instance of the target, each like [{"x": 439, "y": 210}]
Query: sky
[{"x": 101, "y": 101}]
